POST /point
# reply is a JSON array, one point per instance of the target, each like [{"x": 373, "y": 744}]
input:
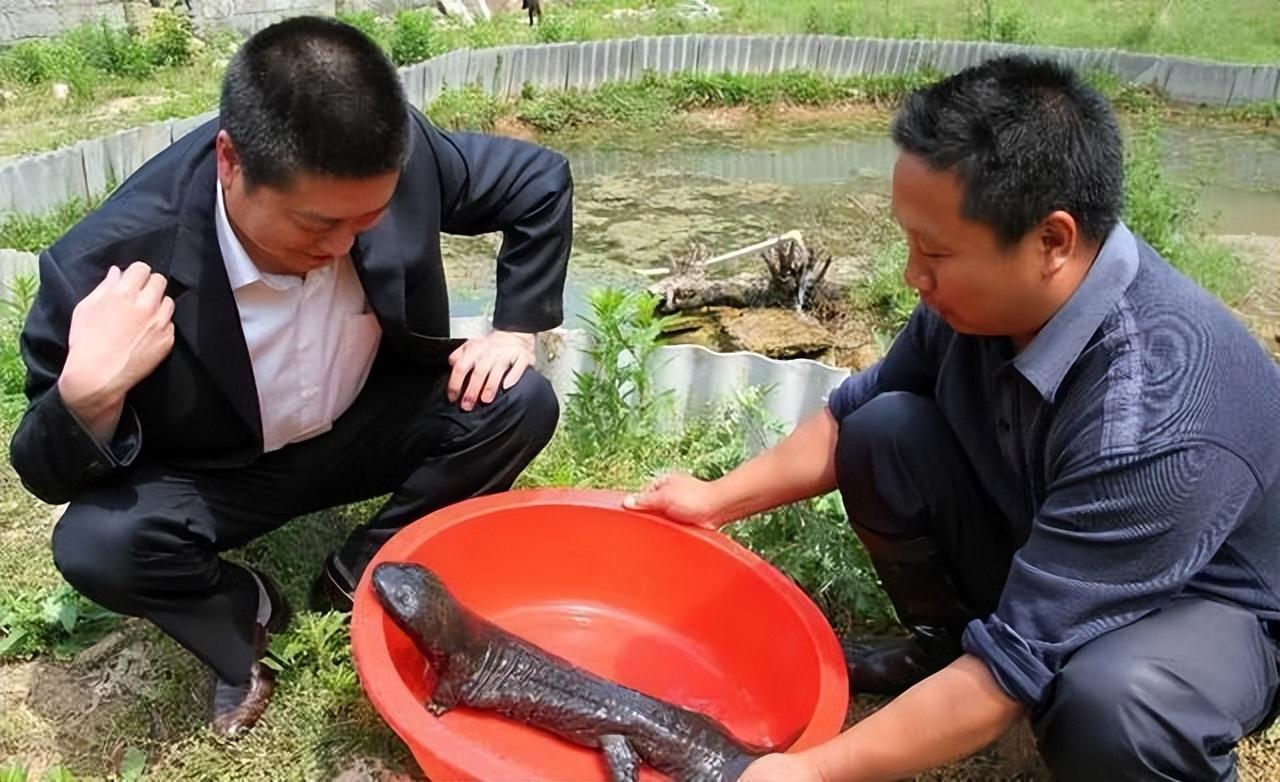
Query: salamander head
[{"x": 421, "y": 604}]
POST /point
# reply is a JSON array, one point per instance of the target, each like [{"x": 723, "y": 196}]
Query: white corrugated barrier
[{"x": 696, "y": 377}]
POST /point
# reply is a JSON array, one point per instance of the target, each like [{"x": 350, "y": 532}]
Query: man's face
[
  {"x": 957, "y": 265},
  {"x": 306, "y": 225}
]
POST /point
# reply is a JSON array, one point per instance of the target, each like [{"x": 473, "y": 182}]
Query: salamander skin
[{"x": 480, "y": 665}]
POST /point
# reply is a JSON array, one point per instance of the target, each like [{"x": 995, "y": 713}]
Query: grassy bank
[
  {"x": 118, "y": 79},
  {"x": 656, "y": 102}
]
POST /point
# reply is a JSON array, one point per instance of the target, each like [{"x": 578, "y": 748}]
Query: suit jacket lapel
[
  {"x": 377, "y": 260},
  {"x": 205, "y": 314}
]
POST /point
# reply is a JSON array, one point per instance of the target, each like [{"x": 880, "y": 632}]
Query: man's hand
[
  {"x": 119, "y": 334},
  {"x": 498, "y": 358},
  {"x": 781, "y": 768},
  {"x": 681, "y": 498}
]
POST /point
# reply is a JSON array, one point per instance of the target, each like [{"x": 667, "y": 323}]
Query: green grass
[
  {"x": 33, "y": 233},
  {"x": 120, "y": 79},
  {"x": 655, "y": 102},
  {"x": 1164, "y": 214},
  {"x": 882, "y": 292},
  {"x": 1241, "y": 31}
]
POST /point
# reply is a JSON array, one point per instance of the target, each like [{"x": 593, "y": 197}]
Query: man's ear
[
  {"x": 228, "y": 160},
  {"x": 1058, "y": 235}
]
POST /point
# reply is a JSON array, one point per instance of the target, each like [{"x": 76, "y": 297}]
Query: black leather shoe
[
  {"x": 237, "y": 707},
  {"x": 333, "y": 589},
  {"x": 893, "y": 665}
]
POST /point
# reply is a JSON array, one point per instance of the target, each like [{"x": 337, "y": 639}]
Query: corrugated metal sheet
[{"x": 697, "y": 377}]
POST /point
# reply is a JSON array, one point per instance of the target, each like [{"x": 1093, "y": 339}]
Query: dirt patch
[
  {"x": 736, "y": 118},
  {"x": 721, "y": 119},
  {"x": 127, "y": 105},
  {"x": 67, "y": 713},
  {"x": 514, "y": 128},
  {"x": 370, "y": 770},
  {"x": 859, "y": 112},
  {"x": 1260, "y": 309}
]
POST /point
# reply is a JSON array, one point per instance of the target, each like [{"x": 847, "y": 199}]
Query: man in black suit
[{"x": 255, "y": 326}]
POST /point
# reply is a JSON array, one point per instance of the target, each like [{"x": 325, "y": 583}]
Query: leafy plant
[
  {"x": 170, "y": 40},
  {"x": 469, "y": 108},
  {"x": 619, "y": 430},
  {"x": 378, "y": 30},
  {"x": 554, "y": 28},
  {"x": 882, "y": 291},
  {"x": 618, "y": 397},
  {"x": 13, "y": 373},
  {"x": 315, "y": 640},
  {"x": 133, "y": 765},
  {"x": 60, "y": 622},
  {"x": 413, "y": 38},
  {"x": 111, "y": 50}
]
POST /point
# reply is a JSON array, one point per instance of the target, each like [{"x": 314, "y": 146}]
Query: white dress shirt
[{"x": 311, "y": 339}]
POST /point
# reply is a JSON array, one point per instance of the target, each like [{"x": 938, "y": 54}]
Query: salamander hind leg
[{"x": 624, "y": 763}]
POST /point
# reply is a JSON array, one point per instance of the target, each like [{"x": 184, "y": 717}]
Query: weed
[
  {"x": 14, "y": 305},
  {"x": 60, "y": 623},
  {"x": 469, "y": 108},
  {"x": 413, "y": 38},
  {"x": 882, "y": 291},
  {"x": 34, "y": 233},
  {"x": 168, "y": 42}
]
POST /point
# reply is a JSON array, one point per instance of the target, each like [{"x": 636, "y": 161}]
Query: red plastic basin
[{"x": 676, "y": 612}]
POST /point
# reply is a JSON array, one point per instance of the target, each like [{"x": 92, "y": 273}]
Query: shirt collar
[
  {"x": 241, "y": 270},
  {"x": 1044, "y": 362}
]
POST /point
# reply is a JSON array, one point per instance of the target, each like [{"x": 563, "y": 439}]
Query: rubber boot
[{"x": 929, "y": 605}]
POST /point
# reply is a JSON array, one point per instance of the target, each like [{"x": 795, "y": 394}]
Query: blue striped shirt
[{"x": 1133, "y": 446}]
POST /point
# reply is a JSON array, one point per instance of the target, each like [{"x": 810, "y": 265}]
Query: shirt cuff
[
  {"x": 125, "y": 443},
  {"x": 1015, "y": 667}
]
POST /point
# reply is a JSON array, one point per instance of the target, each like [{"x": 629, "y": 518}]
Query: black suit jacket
[{"x": 199, "y": 408}]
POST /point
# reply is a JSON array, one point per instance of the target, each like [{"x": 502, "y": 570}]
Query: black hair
[
  {"x": 1026, "y": 138},
  {"x": 313, "y": 95}
]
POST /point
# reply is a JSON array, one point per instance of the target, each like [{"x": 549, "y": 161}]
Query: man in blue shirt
[{"x": 1066, "y": 469}]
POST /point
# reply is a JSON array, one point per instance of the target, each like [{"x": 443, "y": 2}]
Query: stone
[{"x": 776, "y": 333}]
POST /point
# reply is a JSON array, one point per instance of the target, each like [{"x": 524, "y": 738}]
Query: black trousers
[
  {"x": 1164, "y": 698},
  {"x": 149, "y": 544}
]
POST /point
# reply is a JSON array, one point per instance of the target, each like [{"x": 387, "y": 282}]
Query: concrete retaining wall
[
  {"x": 22, "y": 19},
  {"x": 26, "y": 19}
]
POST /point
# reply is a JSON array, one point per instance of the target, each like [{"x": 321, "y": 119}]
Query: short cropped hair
[{"x": 1026, "y": 137}]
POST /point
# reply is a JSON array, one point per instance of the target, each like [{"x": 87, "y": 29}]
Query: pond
[{"x": 638, "y": 202}]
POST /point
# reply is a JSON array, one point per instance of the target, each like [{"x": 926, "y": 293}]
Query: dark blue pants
[
  {"x": 1164, "y": 698},
  {"x": 148, "y": 545}
]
